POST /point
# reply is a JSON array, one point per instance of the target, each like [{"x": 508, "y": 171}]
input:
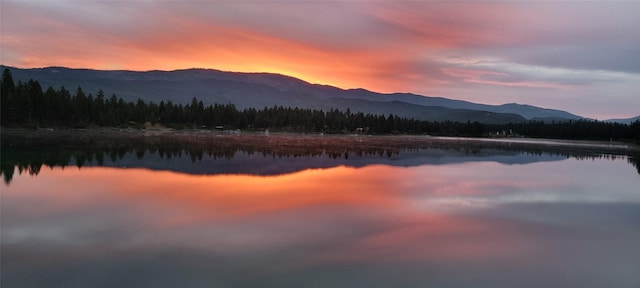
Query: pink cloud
[
  {"x": 497, "y": 78},
  {"x": 382, "y": 46}
]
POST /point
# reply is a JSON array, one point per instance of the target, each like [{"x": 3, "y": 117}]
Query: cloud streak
[{"x": 488, "y": 52}]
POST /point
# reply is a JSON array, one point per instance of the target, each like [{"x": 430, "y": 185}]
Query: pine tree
[{"x": 7, "y": 100}]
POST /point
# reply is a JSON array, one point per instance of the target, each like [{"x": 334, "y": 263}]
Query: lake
[{"x": 317, "y": 211}]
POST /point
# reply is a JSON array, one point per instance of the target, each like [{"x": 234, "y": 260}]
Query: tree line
[{"x": 27, "y": 104}]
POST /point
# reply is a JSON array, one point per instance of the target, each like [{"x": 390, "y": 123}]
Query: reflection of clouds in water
[
  {"x": 568, "y": 181},
  {"x": 340, "y": 227}
]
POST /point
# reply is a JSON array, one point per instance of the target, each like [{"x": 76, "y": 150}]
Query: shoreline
[{"x": 301, "y": 140}]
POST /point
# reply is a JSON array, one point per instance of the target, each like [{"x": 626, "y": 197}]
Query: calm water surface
[{"x": 416, "y": 218}]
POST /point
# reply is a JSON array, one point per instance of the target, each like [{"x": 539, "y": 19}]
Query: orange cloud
[
  {"x": 381, "y": 46},
  {"x": 178, "y": 42}
]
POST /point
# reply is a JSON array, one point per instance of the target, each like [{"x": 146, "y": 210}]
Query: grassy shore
[{"x": 292, "y": 143}]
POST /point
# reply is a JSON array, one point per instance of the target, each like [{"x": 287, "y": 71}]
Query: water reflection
[
  {"x": 258, "y": 155},
  {"x": 466, "y": 224},
  {"x": 388, "y": 215}
]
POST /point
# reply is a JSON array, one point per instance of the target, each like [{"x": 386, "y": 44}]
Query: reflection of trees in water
[
  {"x": 635, "y": 161},
  {"x": 29, "y": 155},
  {"x": 32, "y": 162},
  {"x": 26, "y": 157}
]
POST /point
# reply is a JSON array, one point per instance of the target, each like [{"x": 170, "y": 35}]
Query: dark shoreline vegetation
[
  {"x": 27, "y": 105},
  {"x": 29, "y": 150}
]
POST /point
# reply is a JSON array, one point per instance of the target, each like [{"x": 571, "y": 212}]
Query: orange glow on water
[
  {"x": 374, "y": 221},
  {"x": 303, "y": 206},
  {"x": 217, "y": 196},
  {"x": 373, "y": 214}
]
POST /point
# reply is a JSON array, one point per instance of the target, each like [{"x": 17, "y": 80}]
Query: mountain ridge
[
  {"x": 624, "y": 120},
  {"x": 260, "y": 89}
]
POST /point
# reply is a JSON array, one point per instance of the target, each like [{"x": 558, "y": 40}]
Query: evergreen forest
[{"x": 28, "y": 105}]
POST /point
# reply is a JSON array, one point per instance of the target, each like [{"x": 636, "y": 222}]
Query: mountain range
[
  {"x": 259, "y": 90},
  {"x": 625, "y": 120}
]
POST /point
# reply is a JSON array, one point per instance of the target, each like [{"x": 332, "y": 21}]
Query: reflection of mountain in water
[
  {"x": 269, "y": 159},
  {"x": 263, "y": 156},
  {"x": 260, "y": 164}
]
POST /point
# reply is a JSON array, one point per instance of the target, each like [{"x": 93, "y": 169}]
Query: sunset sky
[{"x": 583, "y": 57}]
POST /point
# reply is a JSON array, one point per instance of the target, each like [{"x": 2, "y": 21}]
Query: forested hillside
[
  {"x": 27, "y": 104},
  {"x": 257, "y": 90}
]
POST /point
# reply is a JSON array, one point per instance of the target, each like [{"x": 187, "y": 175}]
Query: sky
[{"x": 578, "y": 56}]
